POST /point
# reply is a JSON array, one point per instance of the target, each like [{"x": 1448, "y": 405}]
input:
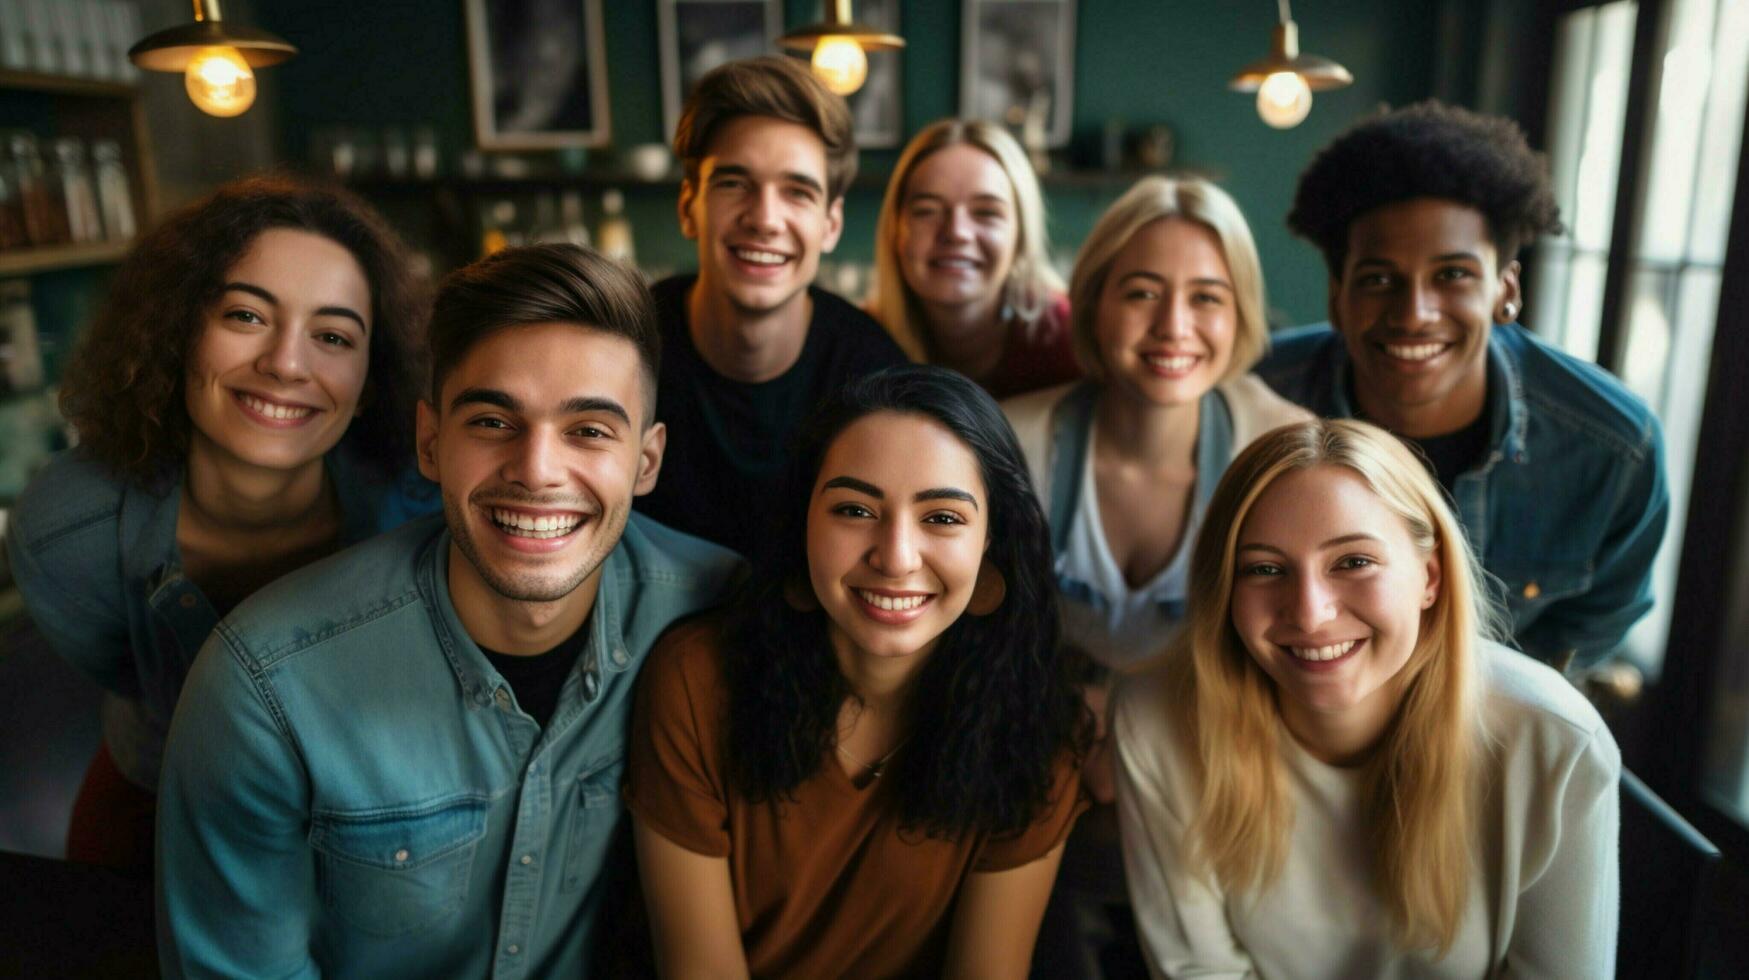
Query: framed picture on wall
[
  {"x": 877, "y": 107},
  {"x": 539, "y": 74},
  {"x": 538, "y": 70},
  {"x": 698, "y": 35},
  {"x": 1017, "y": 67}
]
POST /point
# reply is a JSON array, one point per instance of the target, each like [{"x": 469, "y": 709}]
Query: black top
[
  {"x": 1453, "y": 454},
  {"x": 538, "y": 679},
  {"x": 728, "y": 441}
]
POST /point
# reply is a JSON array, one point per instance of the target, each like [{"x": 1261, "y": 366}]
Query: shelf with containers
[{"x": 77, "y": 182}]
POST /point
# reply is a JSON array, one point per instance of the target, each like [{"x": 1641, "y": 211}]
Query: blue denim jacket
[
  {"x": 96, "y": 560},
  {"x": 350, "y": 789},
  {"x": 1567, "y": 510}
]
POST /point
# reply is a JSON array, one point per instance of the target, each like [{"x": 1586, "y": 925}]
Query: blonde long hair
[
  {"x": 1418, "y": 794},
  {"x": 1151, "y": 199},
  {"x": 1033, "y": 283}
]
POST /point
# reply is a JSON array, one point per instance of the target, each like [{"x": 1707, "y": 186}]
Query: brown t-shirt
[{"x": 826, "y": 885}]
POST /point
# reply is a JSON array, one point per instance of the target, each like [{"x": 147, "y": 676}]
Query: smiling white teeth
[
  {"x": 272, "y": 410},
  {"x": 1182, "y": 362},
  {"x": 1414, "y": 352},
  {"x": 1328, "y": 652},
  {"x": 529, "y": 526},
  {"x": 758, "y": 257},
  {"x": 891, "y": 603}
]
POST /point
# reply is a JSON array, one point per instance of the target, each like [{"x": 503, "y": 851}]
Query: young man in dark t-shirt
[{"x": 750, "y": 344}]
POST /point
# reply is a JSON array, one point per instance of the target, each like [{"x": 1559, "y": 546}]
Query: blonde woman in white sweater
[{"x": 1333, "y": 772}]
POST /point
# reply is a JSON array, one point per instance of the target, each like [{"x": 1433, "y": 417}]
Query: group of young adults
[{"x": 1151, "y": 619}]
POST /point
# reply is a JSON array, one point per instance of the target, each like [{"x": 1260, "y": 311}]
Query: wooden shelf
[
  {"x": 66, "y": 84},
  {"x": 48, "y": 258}
]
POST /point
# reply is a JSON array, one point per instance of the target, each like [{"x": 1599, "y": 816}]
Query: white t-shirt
[{"x": 1544, "y": 894}]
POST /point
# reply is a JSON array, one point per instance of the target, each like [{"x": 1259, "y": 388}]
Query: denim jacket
[
  {"x": 96, "y": 560},
  {"x": 350, "y": 789},
  {"x": 1567, "y": 509}
]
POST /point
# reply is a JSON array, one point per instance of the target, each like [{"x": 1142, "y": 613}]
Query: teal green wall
[{"x": 1145, "y": 62}]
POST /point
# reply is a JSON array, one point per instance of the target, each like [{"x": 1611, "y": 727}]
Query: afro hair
[{"x": 1428, "y": 149}]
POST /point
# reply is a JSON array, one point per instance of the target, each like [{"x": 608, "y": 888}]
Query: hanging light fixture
[
  {"x": 840, "y": 47},
  {"x": 216, "y": 59},
  {"x": 1284, "y": 81}
]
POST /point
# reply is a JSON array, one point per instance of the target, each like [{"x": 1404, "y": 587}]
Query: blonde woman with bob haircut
[
  {"x": 963, "y": 274},
  {"x": 1334, "y": 771},
  {"x": 1167, "y": 317}
]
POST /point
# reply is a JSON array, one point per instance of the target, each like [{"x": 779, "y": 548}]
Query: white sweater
[{"x": 1544, "y": 892}]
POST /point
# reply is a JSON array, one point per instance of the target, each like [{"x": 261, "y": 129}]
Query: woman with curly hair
[
  {"x": 1335, "y": 771},
  {"x": 244, "y": 402},
  {"x": 963, "y": 274},
  {"x": 868, "y": 766}
]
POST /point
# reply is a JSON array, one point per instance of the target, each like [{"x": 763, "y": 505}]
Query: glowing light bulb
[
  {"x": 1284, "y": 100},
  {"x": 840, "y": 63},
  {"x": 219, "y": 81}
]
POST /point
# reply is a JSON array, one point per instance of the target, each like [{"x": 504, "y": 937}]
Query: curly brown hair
[{"x": 123, "y": 387}]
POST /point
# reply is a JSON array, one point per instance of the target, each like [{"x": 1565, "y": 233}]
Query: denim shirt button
[
  {"x": 591, "y": 685},
  {"x": 188, "y": 600},
  {"x": 503, "y": 698},
  {"x": 1532, "y": 590},
  {"x": 513, "y": 949},
  {"x": 402, "y": 855},
  {"x": 620, "y": 657},
  {"x": 527, "y": 859}
]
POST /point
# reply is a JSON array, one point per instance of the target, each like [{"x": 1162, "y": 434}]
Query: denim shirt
[
  {"x": 350, "y": 789},
  {"x": 96, "y": 560},
  {"x": 1567, "y": 509}
]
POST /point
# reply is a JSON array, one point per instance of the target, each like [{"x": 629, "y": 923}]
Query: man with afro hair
[{"x": 1555, "y": 468}]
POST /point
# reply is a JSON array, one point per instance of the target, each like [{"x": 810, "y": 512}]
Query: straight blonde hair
[
  {"x": 1033, "y": 283},
  {"x": 1418, "y": 781},
  {"x": 1150, "y": 200}
]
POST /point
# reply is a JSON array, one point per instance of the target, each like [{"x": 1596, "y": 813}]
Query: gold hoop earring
[
  {"x": 798, "y": 594},
  {"x": 988, "y": 593}
]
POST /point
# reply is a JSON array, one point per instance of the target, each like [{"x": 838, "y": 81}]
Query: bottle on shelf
[
  {"x": 546, "y": 227},
  {"x": 496, "y": 219},
  {"x": 78, "y": 194},
  {"x": 45, "y": 213},
  {"x": 21, "y": 359},
  {"x": 615, "y": 233},
  {"x": 114, "y": 199},
  {"x": 571, "y": 218}
]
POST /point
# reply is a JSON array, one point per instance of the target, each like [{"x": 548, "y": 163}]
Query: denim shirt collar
[
  {"x": 479, "y": 682},
  {"x": 1507, "y": 413},
  {"x": 149, "y": 514}
]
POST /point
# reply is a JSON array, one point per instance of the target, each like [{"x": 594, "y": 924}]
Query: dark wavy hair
[
  {"x": 996, "y": 705},
  {"x": 123, "y": 387},
  {"x": 1428, "y": 149}
]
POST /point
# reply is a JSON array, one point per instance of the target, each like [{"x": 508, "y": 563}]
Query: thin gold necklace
[{"x": 874, "y": 768}]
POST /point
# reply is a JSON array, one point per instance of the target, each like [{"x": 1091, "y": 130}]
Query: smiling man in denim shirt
[
  {"x": 1557, "y": 470},
  {"x": 405, "y": 760}
]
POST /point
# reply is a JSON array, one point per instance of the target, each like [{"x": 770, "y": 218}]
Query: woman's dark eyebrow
[
  {"x": 852, "y": 483},
  {"x": 946, "y": 493},
  {"x": 267, "y": 297}
]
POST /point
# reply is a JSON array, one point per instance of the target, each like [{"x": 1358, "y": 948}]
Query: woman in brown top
[{"x": 868, "y": 765}]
